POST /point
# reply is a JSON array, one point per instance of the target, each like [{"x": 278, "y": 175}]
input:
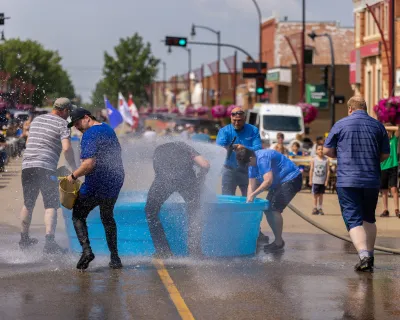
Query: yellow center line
[{"x": 176, "y": 297}]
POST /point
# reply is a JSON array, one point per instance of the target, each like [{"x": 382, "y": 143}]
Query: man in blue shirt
[
  {"x": 277, "y": 174},
  {"x": 360, "y": 144},
  {"x": 104, "y": 176},
  {"x": 245, "y": 135}
]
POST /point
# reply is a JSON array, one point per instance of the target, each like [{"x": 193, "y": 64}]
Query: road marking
[{"x": 176, "y": 297}]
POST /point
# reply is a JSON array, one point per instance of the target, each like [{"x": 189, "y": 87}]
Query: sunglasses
[{"x": 238, "y": 113}]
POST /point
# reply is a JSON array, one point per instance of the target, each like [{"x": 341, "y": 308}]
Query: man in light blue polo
[
  {"x": 246, "y": 135},
  {"x": 360, "y": 143}
]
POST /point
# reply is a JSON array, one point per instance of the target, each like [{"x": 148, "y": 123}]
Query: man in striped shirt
[{"x": 48, "y": 136}]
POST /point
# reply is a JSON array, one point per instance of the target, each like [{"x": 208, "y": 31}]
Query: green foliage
[
  {"x": 130, "y": 70},
  {"x": 226, "y": 103},
  {"x": 30, "y": 62}
]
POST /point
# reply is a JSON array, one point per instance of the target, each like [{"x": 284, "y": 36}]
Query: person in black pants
[
  {"x": 173, "y": 164},
  {"x": 104, "y": 176}
]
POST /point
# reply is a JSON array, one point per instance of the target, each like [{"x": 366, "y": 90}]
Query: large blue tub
[{"x": 231, "y": 227}]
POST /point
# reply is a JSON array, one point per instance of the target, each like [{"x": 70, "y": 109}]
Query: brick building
[
  {"x": 178, "y": 86},
  {"x": 282, "y": 49},
  {"x": 369, "y": 74}
]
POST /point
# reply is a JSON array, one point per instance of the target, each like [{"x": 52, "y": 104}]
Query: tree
[
  {"x": 132, "y": 68},
  {"x": 29, "y": 62}
]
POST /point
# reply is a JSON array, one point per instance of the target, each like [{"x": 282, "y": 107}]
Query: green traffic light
[
  {"x": 260, "y": 90},
  {"x": 182, "y": 42}
]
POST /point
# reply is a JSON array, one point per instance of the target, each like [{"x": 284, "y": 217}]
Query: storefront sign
[
  {"x": 273, "y": 76},
  {"x": 370, "y": 50},
  {"x": 317, "y": 95},
  {"x": 355, "y": 66}
]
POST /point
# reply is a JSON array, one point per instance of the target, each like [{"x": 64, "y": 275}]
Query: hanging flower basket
[
  {"x": 229, "y": 110},
  {"x": 218, "y": 111},
  {"x": 309, "y": 112},
  {"x": 202, "y": 110},
  {"x": 175, "y": 110},
  {"x": 388, "y": 110},
  {"x": 190, "y": 111}
]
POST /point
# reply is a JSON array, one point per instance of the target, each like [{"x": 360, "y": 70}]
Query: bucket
[{"x": 68, "y": 192}]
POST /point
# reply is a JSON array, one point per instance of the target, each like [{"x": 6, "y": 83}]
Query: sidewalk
[{"x": 11, "y": 200}]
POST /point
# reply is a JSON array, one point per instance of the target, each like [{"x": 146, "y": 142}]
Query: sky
[{"x": 82, "y": 30}]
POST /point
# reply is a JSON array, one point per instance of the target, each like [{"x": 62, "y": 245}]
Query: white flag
[{"x": 124, "y": 109}]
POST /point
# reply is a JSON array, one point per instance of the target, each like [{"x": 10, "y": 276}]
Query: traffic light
[
  {"x": 324, "y": 76},
  {"x": 176, "y": 41},
  {"x": 2, "y": 19},
  {"x": 260, "y": 85}
]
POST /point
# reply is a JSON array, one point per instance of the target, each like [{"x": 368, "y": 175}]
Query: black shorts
[
  {"x": 281, "y": 196},
  {"x": 43, "y": 180},
  {"x": 318, "y": 188},
  {"x": 389, "y": 178}
]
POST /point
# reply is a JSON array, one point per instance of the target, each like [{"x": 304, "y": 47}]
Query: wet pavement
[{"x": 312, "y": 279}]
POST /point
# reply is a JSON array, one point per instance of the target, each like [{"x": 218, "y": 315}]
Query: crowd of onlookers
[{"x": 13, "y": 135}]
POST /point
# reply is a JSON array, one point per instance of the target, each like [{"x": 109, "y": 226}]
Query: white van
[{"x": 273, "y": 118}]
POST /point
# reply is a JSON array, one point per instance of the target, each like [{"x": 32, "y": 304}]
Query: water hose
[{"x": 319, "y": 226}]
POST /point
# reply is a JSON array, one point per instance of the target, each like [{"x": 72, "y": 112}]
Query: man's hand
[
  {"x": 326, "y": 183},
  {"x": 250, "y": 198},
  {"x": 70, "y": 179},
  {"x": 310, "y": 183}
]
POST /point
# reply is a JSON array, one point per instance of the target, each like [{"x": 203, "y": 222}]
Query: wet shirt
[
  {"x": 282, "y": 168},
  {"x": 248, "y": 136},
  {"x": 44, "y": 146},
  {"x": 174, "y": 160},
  {"x": 359, "y": 141},
  {"x": 106, "y": 179}
]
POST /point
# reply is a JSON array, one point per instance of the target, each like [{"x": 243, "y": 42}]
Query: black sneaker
[
  {"x": 273, "y": 247},
  {"x": 115, "y": 262},
  {"x": 384, "y": 214},
  {"x": 321, "y": 212},
  {"x": 365, "y": 264},
  {"x": 86, "y": 257},
  {"x": 315, "y": 211},
  {"x": 52, "y": 247},
  {"x": 27, "y": 242}
]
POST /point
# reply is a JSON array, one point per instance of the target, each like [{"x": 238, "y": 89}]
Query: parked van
[{"x": 273, "y": 118}]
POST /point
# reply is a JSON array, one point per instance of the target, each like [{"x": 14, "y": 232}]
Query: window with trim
[{"x": 308, "y": 55}]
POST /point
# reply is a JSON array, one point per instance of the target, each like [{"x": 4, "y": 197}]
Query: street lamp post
[
  {"x": 164, "y": 81},
  {"x": 218, "y": 33},
  {"x": 260, "y": 32},
  {"x": 313, "y": 35}
]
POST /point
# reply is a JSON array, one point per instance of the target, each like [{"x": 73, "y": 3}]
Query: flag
[
  {"x": 114, "y": 117},
  {"x": 124, "y": 109},
  {"x": 134, "y": 111}
]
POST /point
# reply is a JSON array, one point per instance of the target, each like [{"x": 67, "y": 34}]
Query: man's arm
[
  {"x": 384, "y": 156},
  {"x": 69, "y": 153},
  {"x": 204, "y": 166},
  {"x": 86, "y": 167},
  {"x": 268, "y": 178},
  {"x": 330, "y": 152},
  {"x": 222, "y": 139},
  {"x": 252, "y": 186}
]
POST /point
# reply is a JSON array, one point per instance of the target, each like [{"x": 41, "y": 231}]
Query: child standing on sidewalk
[{"x": 319, "y": 177}]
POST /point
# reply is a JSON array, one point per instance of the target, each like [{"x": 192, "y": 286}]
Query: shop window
[{"x": 308, "y": 55}]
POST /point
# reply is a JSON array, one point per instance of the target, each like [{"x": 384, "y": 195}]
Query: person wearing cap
[
  {"x": 101, "y": 165},
  {"x": 48, "y": 136}
]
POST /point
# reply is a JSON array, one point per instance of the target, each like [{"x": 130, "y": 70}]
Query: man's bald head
[{"x": 238, "y": 118}]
